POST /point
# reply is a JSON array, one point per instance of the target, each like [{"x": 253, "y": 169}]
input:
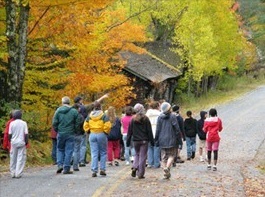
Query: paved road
[{"x": 243, "y": 134}]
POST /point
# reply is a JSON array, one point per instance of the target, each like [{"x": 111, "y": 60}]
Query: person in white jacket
[
  {"x": 153, "y": 154},
  {"x": 18, "y": 136}
]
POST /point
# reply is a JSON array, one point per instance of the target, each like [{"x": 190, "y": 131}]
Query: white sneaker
[
  {"x": 214, "y": 168},
  {"x": 127, "y": 163},
  {"x": 201, "y": 159},
  {"x": 132, "y": 158}
]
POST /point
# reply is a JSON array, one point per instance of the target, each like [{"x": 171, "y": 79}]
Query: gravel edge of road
[{"x": 253, "y": 173}]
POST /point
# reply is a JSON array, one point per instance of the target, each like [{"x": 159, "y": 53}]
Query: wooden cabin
[{"x": 153, "y": 78}]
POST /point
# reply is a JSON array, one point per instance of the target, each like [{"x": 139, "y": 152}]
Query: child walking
[
  {"x": 212, "y": 126},
  {"x": 114, "y": 137},
  {"x": 202, "y": 136},
  {"x": 190, "y": 128}
]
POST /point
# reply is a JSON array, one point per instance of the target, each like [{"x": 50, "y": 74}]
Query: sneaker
[
  {"x": 149, "y": 166},
  {"x": 167, "y": 174},
  {"x": 180, "y": 161},
  {"x": 141, "y": 177},
  {"x": 82, "y": 165},
  {"x": 201, "y": 159},
  {"x": 68, "y": 172},
  {"x": 110, "y": 164},
  {"x": 76, "y": 169},
  {"x": 209, "y": 167},
  {"x": 94, "y": 174},
  {"x": 116, "y": 163},
  {"x": 127, "y": 163},
  {"x": 188, "y": 158},
  {"x": 193, "y": 155},
  {"x": 133, "y": 172},
  {"x": 132, "y": 159},
  {"x": 59, "y": 170},
  {"x": 122, "y": 158},
  {"x": 214, "y": 168},
  {"x": 102, "y": 173}
]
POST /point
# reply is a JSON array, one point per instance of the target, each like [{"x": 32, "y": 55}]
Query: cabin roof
[{"x": 149, "y": 67}]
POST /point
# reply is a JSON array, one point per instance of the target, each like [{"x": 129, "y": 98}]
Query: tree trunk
[
  {"x": 22, "y": 45},
  {"x": 16, "y": 48},
  {"x": 12, "y": 51}
]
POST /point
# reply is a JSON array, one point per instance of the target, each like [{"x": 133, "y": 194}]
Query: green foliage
[
  {"x": 254, "y": 22},
  {"x": 39, "y": 128},
  {"x": 208, "y": 46},
  {"x": 39, "y": 153},
  {"x": 5, "y": 109}
]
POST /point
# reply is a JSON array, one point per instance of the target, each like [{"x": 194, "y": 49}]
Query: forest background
[{"x": 52, "y": 48}]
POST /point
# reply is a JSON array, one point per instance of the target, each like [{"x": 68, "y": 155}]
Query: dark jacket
[
  {"x": 190, "y": 127},
  {"x": 201, "y": 133},
  {"x": 167, "y": 130},
  {"x": 115, "y": 131},
  {"x": 140, "y": 131},
  {"x": 83, "y": 111},
  {"x": 181, "y": 134},
  {"x": 66, "y": 120},
  {"x": 80, "y": 130}
]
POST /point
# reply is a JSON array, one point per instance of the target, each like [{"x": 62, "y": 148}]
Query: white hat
[{"x": 165, "y": 107}]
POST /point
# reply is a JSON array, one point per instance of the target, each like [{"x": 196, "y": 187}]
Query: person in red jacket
[
  {"x": 6, "y": 143},
  {"x": 212, "y": 127}
]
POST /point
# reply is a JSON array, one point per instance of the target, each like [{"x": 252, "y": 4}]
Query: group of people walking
[{"x": 151, "y": 137}]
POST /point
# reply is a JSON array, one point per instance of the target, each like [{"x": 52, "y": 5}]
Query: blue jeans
[
  {"x": 98, "y": 147},
  {"x": 54, "y": 149},
  {"x": 191, "y": 146},
  {"x": 65, "y": 148},
  {"x": 83, "y": 149},
  {"x": 77, "y": 147},
  {"x": 128, "y": 149},
  {"x": 153, "y": 156}
]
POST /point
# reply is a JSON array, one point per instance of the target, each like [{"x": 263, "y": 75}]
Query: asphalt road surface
[{"x": 242, "y": 136}]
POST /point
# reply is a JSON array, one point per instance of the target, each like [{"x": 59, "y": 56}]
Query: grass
[{"x": 230, "y": 90}]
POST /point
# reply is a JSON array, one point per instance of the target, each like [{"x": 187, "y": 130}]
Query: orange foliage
[{"x": 94, "y": 35}]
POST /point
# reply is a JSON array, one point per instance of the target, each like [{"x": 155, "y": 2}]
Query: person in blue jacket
[{"x": 167, "y": 131}]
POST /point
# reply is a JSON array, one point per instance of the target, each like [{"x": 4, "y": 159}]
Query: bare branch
[
  {"x": 35, "y": 25},
  {"x": 124, "y": 21}
]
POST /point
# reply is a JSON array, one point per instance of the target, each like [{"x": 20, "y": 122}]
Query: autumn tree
[
  {"x": 99, "y": 34},
  {"x": 205, "y": 34},
  {"x": 210, "y": 40},
  {"x": 73, "y": 49}
]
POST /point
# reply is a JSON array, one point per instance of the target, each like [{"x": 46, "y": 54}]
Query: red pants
[{"x": 113, "y": 150}]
